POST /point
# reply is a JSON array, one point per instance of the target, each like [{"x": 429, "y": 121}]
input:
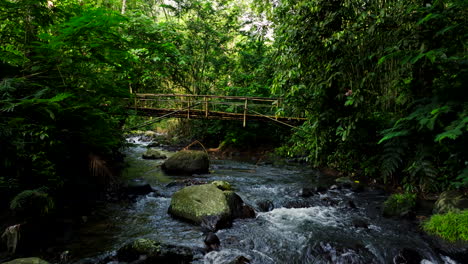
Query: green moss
[
  {"x": 27, "y": 261},
  {"x": 399, "y": 204},
  {"x": 187, "y": 162},
  {"x": 146, "y": 246},
  {"x": 222, "y": 185},
  {"x": 452, "y": 226},
  {"x": 139, "y": 247},
  {"x": 193, "y": 203}
]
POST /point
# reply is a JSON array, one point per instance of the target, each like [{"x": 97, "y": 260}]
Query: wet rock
[
  {"x": 194, "y": 203},
  {"x": 407, "y": 256},
  {"x": 329, "y": 201},
  {"x": 344, "y": 181},
  {"x": 240, "y": 260},
  {"x": 360, "y": 223},
  {"x": 450, "y": 201},
  {"x": 334, "y": 187},
  {"x": 357, "y": 187},
  {"x": 297, "y": 204},
  {"x": 185, "y": 182},
  {"x": 237, "y": 207},
  {"x": 457, "y": 251},
  {"x": 214, "y": 222},
  {"x": 351, "y": 204},
  {"x": 138, "y": 188},
  {"x": 27, "y": 261},
  {"x": 211, "y": 241},
  {"x": 153, "y": 154},
  {"x": 222, "y": 185},
  {"x": 153, "y": 145},
  {"x": 150, "y": 251},
  {"x": 265, "y": 206},
  {"x": 333, "y": 253},
  {"x": 209, "y": 206},
  {"x": 187, "y": 162},
  {"x": 311, "y": 191}
]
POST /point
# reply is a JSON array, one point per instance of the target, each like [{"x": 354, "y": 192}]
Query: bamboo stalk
[{"x": 245, "y": 112}]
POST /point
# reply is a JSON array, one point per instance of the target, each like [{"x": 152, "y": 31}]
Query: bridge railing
[{"x": 198, "y": 105}]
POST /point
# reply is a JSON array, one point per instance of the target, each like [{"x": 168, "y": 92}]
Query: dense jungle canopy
[{"x": 381, "y": 83}]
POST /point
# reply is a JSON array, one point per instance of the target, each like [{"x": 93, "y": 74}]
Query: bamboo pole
[
  {"x": 245, "y": 112},
  {"x": 188, "y": 110},
  {"x": 206, "y": 106}
]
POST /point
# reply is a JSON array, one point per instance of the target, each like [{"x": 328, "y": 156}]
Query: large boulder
[
  {"x": 153, "y": 154},
  {"x": 208, "y": 206},
  {"x": 451, "y": 201},
  {"x": 187, "y": 162},
  {"x": 154, "y": 252},
  {"x": 27, "y": 261}
]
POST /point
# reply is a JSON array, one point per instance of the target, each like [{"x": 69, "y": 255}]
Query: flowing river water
[{"x": 318, "y": 229}]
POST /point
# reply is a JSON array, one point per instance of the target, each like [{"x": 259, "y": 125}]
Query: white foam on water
[
  {"x": 266, "y": 189},
  {"x": 291, "y": 218},
  {"x": 448, "y": 260},
  {"x": 223, "y": 256}
]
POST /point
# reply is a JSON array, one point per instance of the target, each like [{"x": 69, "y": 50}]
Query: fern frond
[
  {"x": 99, "y": 169},
  {"x": 392, "y": 158}
]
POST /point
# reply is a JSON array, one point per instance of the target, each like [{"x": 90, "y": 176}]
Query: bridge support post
[
  {"x": 206, "y": 106},
  {"x": 245, "y": 112},
  {"x": 188, "y": 109}
]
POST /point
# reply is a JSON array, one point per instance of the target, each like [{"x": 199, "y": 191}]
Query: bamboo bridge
[{"x": 240, "y": 108}]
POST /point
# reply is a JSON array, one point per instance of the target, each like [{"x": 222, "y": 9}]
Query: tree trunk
[{"x": 124, "y": 4}]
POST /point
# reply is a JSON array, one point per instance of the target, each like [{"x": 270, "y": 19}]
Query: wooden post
[
  {"x": 188, "y": 110},
  {"x": 206, "y": 106},
  {"x": 245, "y": 112}
]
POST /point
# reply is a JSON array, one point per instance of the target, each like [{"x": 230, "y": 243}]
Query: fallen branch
[{"x": 193, "y": 143}]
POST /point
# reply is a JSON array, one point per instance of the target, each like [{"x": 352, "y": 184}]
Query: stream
[{"x": 317, "y": 229}]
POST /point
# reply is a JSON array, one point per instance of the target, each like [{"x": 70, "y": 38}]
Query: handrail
[
  {"x": 253, "y": 98},
  {"x": 214, "y": 107}
]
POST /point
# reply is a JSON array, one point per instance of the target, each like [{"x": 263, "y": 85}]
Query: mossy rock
[
  {"x": 194, "y": 203},
  {"x": 141, "y": 246},
  {"x": 27, "y": 261},
  {"x": 209, "y": 206},
  {"x": 344, "y": 180},
  {"x": 155, "y": 252},
  {"x": 187, "y": 162},
  {"x": 222, "y": 185},
  {"x": 450, "y": 201},
  {"x": 153, "y": 154},
  {"x": 32, "y": 203},
  {"x": 399, "y": 205}
]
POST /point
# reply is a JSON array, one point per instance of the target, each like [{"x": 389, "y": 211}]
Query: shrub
[
  {"x": 399, "y": 204},
  {"x": 32, "y": 203},
  {"x": 452, "y": 226}
]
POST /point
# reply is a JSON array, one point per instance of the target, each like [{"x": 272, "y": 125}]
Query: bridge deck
[{"x": 213, "y": 107}]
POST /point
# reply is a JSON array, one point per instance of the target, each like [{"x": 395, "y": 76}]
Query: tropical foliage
[
  {"x": 381, "y": 83},
  {"x": 451, "y": 226}
]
